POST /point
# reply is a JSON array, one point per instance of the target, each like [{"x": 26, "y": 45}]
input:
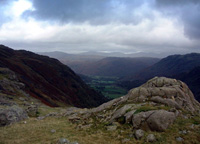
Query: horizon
[{"x": 140, "y": 26}]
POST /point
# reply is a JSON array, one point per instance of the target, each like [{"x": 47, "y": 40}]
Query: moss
[{"x": 145, "y": 108}]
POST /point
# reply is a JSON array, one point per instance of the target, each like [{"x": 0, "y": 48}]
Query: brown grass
[{"x": 39, "y": 132}]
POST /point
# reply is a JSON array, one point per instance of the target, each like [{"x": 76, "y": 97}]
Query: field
[{"x": 105, "y": 85}]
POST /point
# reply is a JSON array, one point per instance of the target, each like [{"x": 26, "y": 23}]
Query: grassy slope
[{"x": 39, "y": 131}]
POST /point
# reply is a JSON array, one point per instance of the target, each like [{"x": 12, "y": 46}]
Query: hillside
[
  {"x": 192, "y": 78},
  {"x": 49, "y": 80},
  {"x": 171, "y": 65},
  {"x": 113, "y": 66}
]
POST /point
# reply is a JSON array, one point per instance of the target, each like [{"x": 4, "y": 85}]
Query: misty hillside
[
  {"x": 96, "y": 65},
  {"x": 113, "y": 66},
  {"x": 72, "y": 58},
  {"x": 48, "y": 79}
]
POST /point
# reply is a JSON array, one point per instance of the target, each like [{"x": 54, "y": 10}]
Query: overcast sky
[{"x": 72, "y": 26}]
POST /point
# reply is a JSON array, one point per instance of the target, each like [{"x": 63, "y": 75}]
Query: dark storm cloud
[
  {"x": 188, "y": 11},
  {"x": 92, "y": 11}
]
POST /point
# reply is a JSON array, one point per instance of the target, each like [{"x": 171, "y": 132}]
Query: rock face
[
  {"x": 170, "y": 92},
  {"x": 48, "y": 80},
  {"x": 153, "y": 106},
  {"x": 12, "y": 115}
]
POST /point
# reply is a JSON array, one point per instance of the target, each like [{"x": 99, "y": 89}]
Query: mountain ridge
[{"x": 48, "y": 79}]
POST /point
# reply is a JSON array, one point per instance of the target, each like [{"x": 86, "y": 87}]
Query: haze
[{"x": 75, "y": 26}]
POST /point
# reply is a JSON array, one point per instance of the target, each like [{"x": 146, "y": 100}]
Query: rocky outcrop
[
  {"x": 11, "y": 115},
  {"x": 153, "y": 106}
]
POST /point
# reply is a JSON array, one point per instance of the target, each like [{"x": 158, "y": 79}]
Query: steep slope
[
  {"x": 49, "y": 80},
  {"x": 192, "y": 78},
  {"x": 113, "y": 66},
  {"x": 171, "y": 65}
]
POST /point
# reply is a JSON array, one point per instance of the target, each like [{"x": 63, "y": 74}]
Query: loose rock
[{"x": 139, "y": 134}]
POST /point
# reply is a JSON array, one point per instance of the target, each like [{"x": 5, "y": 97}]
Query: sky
[{"x": 75, "y": 26}]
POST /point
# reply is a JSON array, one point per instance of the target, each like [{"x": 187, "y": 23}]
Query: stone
[
  {"x": 63, "y": 141},
  {"x": 74, "y": 143},
  {"x": 53, "y": 131},
  {"x": 168, "y": 102},
  {"x": 160, "y": 120},
  {"x": 179, "y": 139},
  {"x": 183, "y": 132},
  {"x": 32, "y": 110},
  {"x": 11, "y": 115},
  {"x": 139, "y": 120},
  {"x": 125, "y": 140},
  {"x": 111, "y": 128},
  {"x": 120, "y": 112},
  {"x": 139, "y": 134},
  {"x": 151, "y": 138},
  {"x": 129, "y": 116}
]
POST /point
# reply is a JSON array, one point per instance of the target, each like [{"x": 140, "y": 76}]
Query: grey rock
[
  {"x": 32, "y": 110},
  {"x": 129, "y": 116},
  {"x": 41, "y": 117},
  {"x": 160, "y": 120},
  {"x": 183, "y": 132},
  {"x": 151, "y": 138},
  {"x": 53, "y": 131},
  {"x": 179, "y": 139},
  {"x": 63, "y": 141},
  {"x": 120, "y": 112},
  {"x": 111, "y": 128},
  {"x": 12, "y": 115},
  {"x": 139, "y": 120},
  {"x": 125, "y": 140},
  {"x": 74, "y": 143},
  {"x": 22, "y": 99},
  {"x": 139, "y": 134},
  {"x": 168, "y": 102}
]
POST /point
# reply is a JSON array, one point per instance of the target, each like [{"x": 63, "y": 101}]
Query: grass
[
  {"x": 107, "y": 86},
  {"x": 39, "y": 131},
  {"x": 35, "y": 132}
]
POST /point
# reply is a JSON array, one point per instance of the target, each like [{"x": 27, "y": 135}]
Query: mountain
[
  {"x": 170, "y": 66},
  {"x": 71, "y": 58},
  {"x": 113, "y": 66},
  {"x": 192, "y": 78},
  {"x": 49, "y": 80},
  {"x": 120, "y": 54}
]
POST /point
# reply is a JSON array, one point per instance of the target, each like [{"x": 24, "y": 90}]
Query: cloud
[
  {"x": 95, "y": 12},
  {"x": 188, "y": 11},
  {"x": 101, "y": 25}
]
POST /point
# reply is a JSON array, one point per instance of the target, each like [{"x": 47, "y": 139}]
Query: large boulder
[
  {"x": 153, "y": 106},
  {"x": 170, "y": 92},
  {"x": 11, "y": 115},
  {"x": 160, "y": 120}
]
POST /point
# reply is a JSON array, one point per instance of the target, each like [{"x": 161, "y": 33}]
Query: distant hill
[
  {"x": 170, "y": 66},
  {"x": 48, "y": 79},
  {"x": 71, "y": 58},
  {"x": 95, "y": 64},
  {"x": 113, "y": 66}
]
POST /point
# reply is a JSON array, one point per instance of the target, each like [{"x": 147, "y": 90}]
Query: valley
[{"x": 105, "y": 85}]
